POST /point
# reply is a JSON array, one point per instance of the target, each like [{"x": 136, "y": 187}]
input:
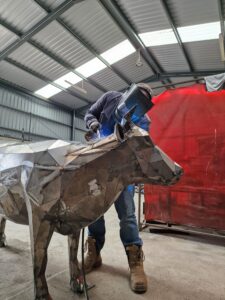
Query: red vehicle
[{"x": 189, "y": 125}]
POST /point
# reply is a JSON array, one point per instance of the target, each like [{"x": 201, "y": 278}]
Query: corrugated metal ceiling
[
  {"x": 68, "y": 100},
  {"x": 51, "y": 4},
  {"x": 205, "y": 55},
  {"x": 94, "y": 25},
  {"x": 193, "y": 12},
  {"x": 92, "y": 92},
  {"x": 6, "y": 38},
  {"x": 55, "y": 38},
  {"x": 144, "y": 15},
  {"x": 98, "y": 29},
  {"x": 109, "y": 80},
  {"x": 19, "y": 77},
  {"x": 171, "y": 57},
  {"x": 134, "y": 73},
  {"x": 34, "y": 59},
  {"x": 21, "y": 14}
]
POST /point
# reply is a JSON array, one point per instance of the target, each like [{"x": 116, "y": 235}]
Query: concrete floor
[{"x": 178, "y": 267}]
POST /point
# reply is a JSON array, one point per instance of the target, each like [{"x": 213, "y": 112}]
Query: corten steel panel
[{"x": 188, "y": 124}]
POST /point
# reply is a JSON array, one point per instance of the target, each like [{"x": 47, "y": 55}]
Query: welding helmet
[{"x": 138, "y": 99}]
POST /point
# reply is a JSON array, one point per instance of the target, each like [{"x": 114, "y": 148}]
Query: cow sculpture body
[{"x": 63, "y": 187}]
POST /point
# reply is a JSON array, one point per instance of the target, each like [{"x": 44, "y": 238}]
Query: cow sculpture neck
[{"x": 59, "y": 186}]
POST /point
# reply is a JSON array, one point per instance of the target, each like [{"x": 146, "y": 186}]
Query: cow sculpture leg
[
  {"x": 2, "y": 231},
  {"x": 76, "y": 278},
  {"x": 40, "y": 232}
]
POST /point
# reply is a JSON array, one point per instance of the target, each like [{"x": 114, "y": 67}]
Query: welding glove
[{"x": 95, "y": 126}]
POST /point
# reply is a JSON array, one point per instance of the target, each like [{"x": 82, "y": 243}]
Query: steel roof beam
[
  {"x": 161, "y": 76},
  {"x": 53, "y": 56},
  {"x": 66, "y": 65},
  {"x": 46, "y": 80},
  {"x": 38, "y": 27},
  {"x": 35, "y": 29},
  {"x": 26, "y": 92},
  {"x": 176, "y": 33},
  {"x": 200, "y": 73},
  {"x": 77, "y": 36}
]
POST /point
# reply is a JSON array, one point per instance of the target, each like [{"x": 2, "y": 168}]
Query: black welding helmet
[{"x": 138, "y": 99}]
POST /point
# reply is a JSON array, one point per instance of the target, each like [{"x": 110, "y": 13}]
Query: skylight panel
[
  {"x": 91, "y": 67},
  {"x": 48, "y": 91},
  {"x": 118, "y": 52},
  {"x": 67, "y": 80},
  {"x": 158, "y": 38},
  {"x": 200, "y": 32}
]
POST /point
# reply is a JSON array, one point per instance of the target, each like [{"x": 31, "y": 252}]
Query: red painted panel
[{"x": 189, "y": 125}]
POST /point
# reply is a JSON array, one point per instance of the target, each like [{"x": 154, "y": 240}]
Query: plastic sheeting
[{"x": 189, "y": 125}]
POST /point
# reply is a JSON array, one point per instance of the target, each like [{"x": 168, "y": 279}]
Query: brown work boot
[
  {"x": 92, "y": 259},
  {"x": 138, "y": 280}
]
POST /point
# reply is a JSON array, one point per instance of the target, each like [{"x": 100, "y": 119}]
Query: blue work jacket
[{"x": 103, "y": 112}]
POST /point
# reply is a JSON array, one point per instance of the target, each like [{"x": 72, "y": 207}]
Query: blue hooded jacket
[{"x": 103, "y": 112}]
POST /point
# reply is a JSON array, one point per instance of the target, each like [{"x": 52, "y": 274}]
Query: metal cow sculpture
[{"x": 63, "y": 187}]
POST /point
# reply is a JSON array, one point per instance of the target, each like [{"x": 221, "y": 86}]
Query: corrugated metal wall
[{"x": 36, "y": 118}]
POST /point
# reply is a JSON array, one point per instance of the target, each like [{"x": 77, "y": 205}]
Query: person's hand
[{"x": 95, "y": 126}]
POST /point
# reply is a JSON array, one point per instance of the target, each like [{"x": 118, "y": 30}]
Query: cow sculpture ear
[{"x": 119, "y": 132}]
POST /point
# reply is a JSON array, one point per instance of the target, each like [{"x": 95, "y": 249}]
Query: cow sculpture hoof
[{"x": 77, "y": 285}]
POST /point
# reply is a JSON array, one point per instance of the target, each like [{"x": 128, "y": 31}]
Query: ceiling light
[
  {"x": 200, "y": 32},
  {"x": 67, "y": 80},
  {"x": 158, "y": 38},
  {"x": 91, "y": 67},
  {"x": 118, "y": 52},
  {"x": 48, "y": 91}
]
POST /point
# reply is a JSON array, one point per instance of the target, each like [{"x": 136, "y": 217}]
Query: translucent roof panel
[
  {"x": 171, "y": 57},
  {"x": 94, "y": 25},
  {"x": 144, "y": 15},
  {"x": 19, "y": 77},
  {"x": 34, "y": 59},
  {"x": 21, "y": 14},
  {"x": 193, "y": 12},
  {"x": 59, "y": 41}
]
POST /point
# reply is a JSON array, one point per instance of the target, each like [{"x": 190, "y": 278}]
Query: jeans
[{"x": 125, "y": 208}]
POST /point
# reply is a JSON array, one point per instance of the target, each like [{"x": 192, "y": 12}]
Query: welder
[{"x": 101, "y": 118}]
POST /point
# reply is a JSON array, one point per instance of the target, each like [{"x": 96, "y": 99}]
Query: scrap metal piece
[{"x": 61, "y": 186}]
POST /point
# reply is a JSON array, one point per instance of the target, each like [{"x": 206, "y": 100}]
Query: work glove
[{"x": 95, "y": 126}]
